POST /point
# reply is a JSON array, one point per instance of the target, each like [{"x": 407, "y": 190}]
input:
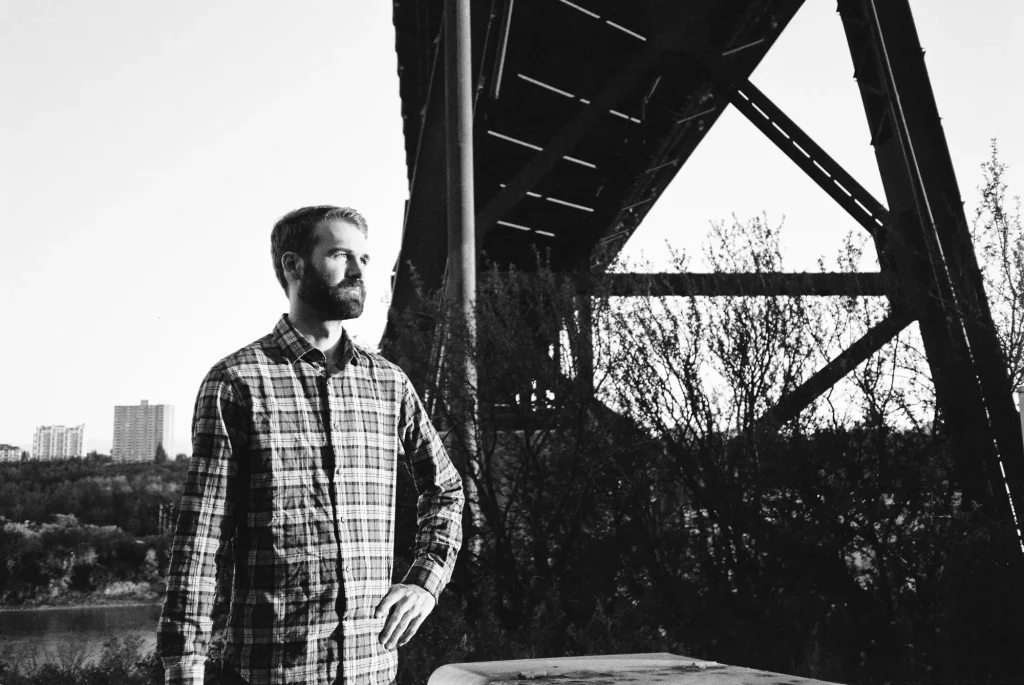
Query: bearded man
[{"x": 296, "y": 441}]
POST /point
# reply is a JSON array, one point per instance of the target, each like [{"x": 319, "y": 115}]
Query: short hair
[{"x": 295, "y": 230}]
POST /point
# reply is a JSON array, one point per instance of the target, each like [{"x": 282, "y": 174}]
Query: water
[{"x": 69, "y": 633}]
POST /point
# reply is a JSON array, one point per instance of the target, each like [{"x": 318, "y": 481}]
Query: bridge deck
[{"x": 537, "y": 65}]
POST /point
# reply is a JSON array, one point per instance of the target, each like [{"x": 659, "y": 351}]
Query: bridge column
[
  {"x": 461, "y": 270},
  {"x": 931, "y": 245}
]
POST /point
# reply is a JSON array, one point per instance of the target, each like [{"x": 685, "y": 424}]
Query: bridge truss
[{"x": 576, "y": 115}]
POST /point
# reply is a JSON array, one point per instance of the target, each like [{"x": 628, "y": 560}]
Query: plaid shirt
[{"x": 293, "y": 470}]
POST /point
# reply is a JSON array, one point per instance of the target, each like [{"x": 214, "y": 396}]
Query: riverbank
[
  {"x": 75, "y": 638},
  {"x": 69, "y": 607}
]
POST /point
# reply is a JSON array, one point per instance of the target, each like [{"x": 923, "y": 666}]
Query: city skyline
[
  {"x": 159, "y": 259},
  {"x": 103, "y": 442}
]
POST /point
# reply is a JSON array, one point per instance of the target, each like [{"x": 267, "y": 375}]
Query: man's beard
[{"x": 332, "y": 302}]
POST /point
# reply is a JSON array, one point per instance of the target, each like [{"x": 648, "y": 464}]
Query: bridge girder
[{"x": 576, "y": 139}]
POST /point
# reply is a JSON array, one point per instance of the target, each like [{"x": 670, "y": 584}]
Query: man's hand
[{"x": 409, "y": 606}]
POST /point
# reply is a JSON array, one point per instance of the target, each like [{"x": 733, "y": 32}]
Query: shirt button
[{"x": 337, "y": 471}]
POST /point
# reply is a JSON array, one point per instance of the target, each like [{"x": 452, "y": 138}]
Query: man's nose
[{"x": 354, "y": 269}]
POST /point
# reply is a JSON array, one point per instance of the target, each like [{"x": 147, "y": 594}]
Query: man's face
[{"x": 332, "y": 277}]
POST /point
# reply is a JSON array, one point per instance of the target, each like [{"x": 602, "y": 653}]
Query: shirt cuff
[
  {"x": 184, "y": 671},
  {"x": 429, "y": 575}
]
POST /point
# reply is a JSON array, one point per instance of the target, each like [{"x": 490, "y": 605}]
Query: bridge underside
[{"x": 584, "y": 111}]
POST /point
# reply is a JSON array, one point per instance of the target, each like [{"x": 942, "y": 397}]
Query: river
[{"x": 70, "y": 633}]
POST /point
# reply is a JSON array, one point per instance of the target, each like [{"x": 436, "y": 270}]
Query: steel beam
[
  {"x": 584, "y": 345},
  {"x": 567, "y": 138},
  {"x": 800, "y": 147},
  {"x": 735, "y": 284},
  {"x": 930, "y": 245},
  {"x": 863, "y": 284},
  {"x": 919, "y": 126},
  {"x": 790, "y": 406}
]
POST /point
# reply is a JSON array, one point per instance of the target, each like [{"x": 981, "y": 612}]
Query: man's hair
[{"x": 295, "y": 230}]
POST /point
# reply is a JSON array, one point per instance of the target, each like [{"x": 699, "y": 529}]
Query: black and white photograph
[{"x": 511, "y": 342}]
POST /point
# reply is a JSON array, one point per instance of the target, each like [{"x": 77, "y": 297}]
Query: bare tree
[{"x": 999, "y": 240}]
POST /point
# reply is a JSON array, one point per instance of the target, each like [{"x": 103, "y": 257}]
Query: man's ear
[{"x": 292, "y": 265}]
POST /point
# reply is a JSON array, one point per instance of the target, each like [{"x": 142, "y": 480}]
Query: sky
[{"x": 147, "y": 148}]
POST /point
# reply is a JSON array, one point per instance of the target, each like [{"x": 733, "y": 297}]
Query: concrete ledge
[{"x": 667, "y": 669}]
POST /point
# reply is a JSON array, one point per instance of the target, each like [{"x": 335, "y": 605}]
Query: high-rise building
[
  {"x": 10, "y": 453},
  {"x": 58, "y": 442},
  {"x": 139, "y": 428}
]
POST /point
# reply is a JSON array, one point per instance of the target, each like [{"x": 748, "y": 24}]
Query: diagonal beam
[
  {"x": 795, "y": 402},
  {"x": 800, "y": 147},
  {"x": 809, "y": 156},
  {"x": 567, "y": 138}
]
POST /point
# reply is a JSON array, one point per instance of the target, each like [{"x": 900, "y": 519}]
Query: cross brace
[
  {"x": 796, "y": 401},
  {"x": 801, "y": 148},
  {"x": 734, "y": 284}
]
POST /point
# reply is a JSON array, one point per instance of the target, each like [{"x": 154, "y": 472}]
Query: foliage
[
  {"x": 998, "y": 236},
  {"x": 119, "y": 663},
  {"x": 93, "y": 490},
  {"x": 648, "y": 509},
  {"x": 56, "y": 561},
  {"x": 71, "y": 530}
]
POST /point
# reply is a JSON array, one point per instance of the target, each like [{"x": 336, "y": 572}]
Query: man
[{"x": 296, "y": 440}]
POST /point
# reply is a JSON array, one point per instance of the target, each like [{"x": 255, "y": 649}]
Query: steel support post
[
  {"x": 584, "y": 352},
  {"x": 931, "y": 168},
  {"x": 930, "y": 248},
  {"x": 461, "y": 271}
]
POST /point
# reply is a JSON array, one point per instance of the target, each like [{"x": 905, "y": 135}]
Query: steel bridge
[{"x": 557, "y": 124}]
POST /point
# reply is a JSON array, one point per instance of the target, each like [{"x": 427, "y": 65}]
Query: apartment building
[
  {"x": 9, "y": 453},
  {"x": 139, "y": 428},
  {"x": 58, "y": 442}
]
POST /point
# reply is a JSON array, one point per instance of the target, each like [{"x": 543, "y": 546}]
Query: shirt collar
[{"x": 295, "y": 346}]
